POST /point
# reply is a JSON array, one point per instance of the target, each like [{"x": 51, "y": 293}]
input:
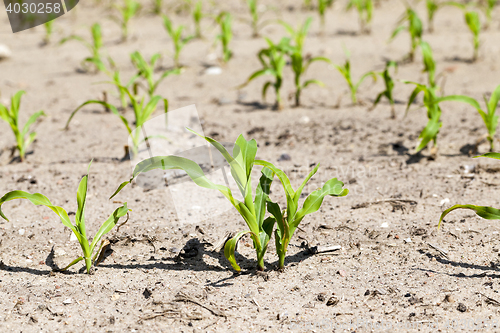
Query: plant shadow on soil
[{"x": 445, "y": 261}]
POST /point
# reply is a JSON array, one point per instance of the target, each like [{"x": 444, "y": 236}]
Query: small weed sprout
[
  {"x": 365, "y": 12},
  {"x": 273, "y": 62},
  {"x": 414, "y": 28},
  {"x": 24, "y": 137},
  {"x": 345, "y": 71},
  {"x": 94, "y": 48},
  {"x": 146, "y": 71},
  {"x": 431, "y": 103},
  {"x": 251, "y": 209},
  {"x": 488, "y": 213},
  {"x": 323, "y": 5},
  {"x": 177, "y": 38},
  {"x": 389, "y": 86},
  {"x": 127, "y": 10},
  {"x": 288, "y": 220},
  {"x": 226, "y": 34},
  {"x": 78, "y": 229},
  {"x": 142, "y": 113}
]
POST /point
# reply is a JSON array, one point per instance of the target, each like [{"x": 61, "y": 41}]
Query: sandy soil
[{"x": 162, "y": 275}]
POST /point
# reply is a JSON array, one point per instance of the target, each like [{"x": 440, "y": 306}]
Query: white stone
[{"x": 5, "y": 52}]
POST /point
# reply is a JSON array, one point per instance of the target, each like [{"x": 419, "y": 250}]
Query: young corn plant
[
  {"x": 431, "y": 103},
  {"x": 489, "y": 117},
  {"x": 88, "y": 248},
  {"x": 24, "y": 137},
  {"x": 252, "y": 209},
  {"x": 488, "y": 213},
  {"x": 94, "y": 47},
  {"x": 126, "y": 11},
  {"x": 488, "y": 10},
  {"x": 473, "y": 23},
  {"x": 49, "y": 29},
  {"x": 365, "y": 12},
  {"x": 414, "y": 28},
  {"x": 323, "y": 5},
  {"x": 197, "y": 16},
  {"x": 157, "y": 6},
  {"x": 226, "y": 34},
  {"x": 300, "y": 64},
  {"x": 273, "y": 62},
  {"x": 299, "y": 34},
  {"x": 288, "y": 220},
  {"x": 142, "y": 113},
  {"x": 146, "y": 71},
  {"x": 432, "y": 7},
  {"x": 177, "y": 38},
  {"x": 345, "y": 71},
  {"x": 389, "y": 86},
  {"x": 252, "y": 6}
]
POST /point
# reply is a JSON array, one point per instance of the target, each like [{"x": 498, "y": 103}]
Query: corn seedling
[
  {"x": 177, "y": 39},
  {"x": 431, "y": 103},
  {"x": 432, "y": 7},
  {"x": 273, "y": 62},
  {"x": 93, "y": 46},
  {"x": 252, "y": 6},
  {"x": 488, "y": 10},
  {"x": 142, "y": 113},
  {"x": 473, "y": 23},
  {"x": 126, "y": 11},
  {"x": 146, "y": 71},
  {"x": 488, "y": 213},
  {"x": 78, "y": 229},
  {"x": 299, "y": 34},
  {"x": 365, "y": 12},
  {"x": 49, "y": 29},
  {"x": 300, "y": 64},
  {"x": 345, "y": 70},
  {"x": 414, "y": 28},
  {"x": 389, "y": 86},
  {"x": 197, "y": 16},
  {"x": 288, "y": 220},
  {"x": 24, "y": 138},
  {"x": 226, "y": 34},
  {"x": 323, "y": 5},
  {"x": 489, "y": 117},
  {"x": 157, "y": 6},
  {"x": 251, "y": 209}
]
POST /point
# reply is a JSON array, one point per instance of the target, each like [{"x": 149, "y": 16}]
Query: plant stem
[
  {"x": 88, "y": 264},
  {"x": 282, "y": 262}
]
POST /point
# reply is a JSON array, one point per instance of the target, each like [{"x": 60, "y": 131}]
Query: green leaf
[
  {"x": 230, "y": 247},
  {"x": 490, "y": 155},
  {"x": 41, "y": 200},
  {"x": 429, "y": 133},
  {"x": 31, "y": 120},
  {"x": 81, "y": 197},
  {"x": 109, "y": 224},
  {"x": 485, "y": 212},
  {"x": 313, "y": 202}
]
